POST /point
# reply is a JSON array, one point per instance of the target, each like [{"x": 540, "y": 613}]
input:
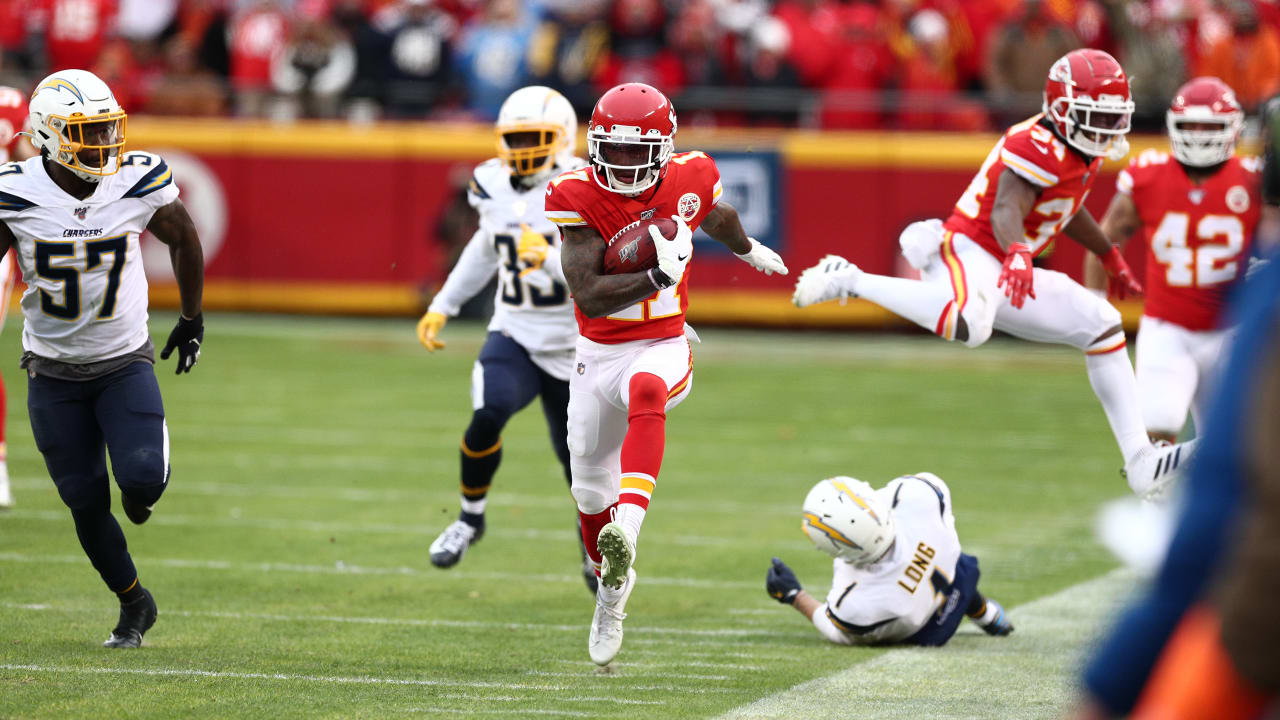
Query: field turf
[{"x": 314, "y": 460}]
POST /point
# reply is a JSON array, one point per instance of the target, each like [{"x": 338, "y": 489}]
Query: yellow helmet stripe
[
  {"x": 853, "y": 496},
  {"x": 59, "y": 83},
  {"x": 815, "y": 522}
]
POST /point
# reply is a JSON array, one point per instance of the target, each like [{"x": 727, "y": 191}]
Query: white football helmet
[
  {"x": 537, "y": 131},
  {"x": 845, "y": 519},
  {"x": 1204, "y": 122},
  {"x": 77, "y": 122}
]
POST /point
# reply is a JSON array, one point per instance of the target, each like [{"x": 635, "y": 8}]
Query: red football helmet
[
  {"x": 1204, "y": 122},
  {"x": 629, "y": 140},
  {"x": 1087, "y": 98}
]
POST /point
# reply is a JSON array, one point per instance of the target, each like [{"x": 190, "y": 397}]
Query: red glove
[
  {"x": 1122, "y": 282},
  {"x": 1015, "y": 276}
]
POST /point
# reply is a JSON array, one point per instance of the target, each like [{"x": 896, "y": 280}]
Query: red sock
[
  {"x": 591, "y": 525},
  {"x": 642, "y": 448}
]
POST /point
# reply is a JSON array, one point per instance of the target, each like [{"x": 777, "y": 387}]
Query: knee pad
[
  {"x": 143, "y": 474},
  {"x": 592, "y": 488},
  {"x": 646, "y": 392},
  {"x": 979, "y": 316},
  {"x": 485, "y": 428},
  {"x": 583, "y": 428}
]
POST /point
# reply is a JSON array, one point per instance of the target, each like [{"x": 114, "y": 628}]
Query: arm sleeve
[
  {"x": 478, "y": 263},
  {"x": 828, "y": 629},
  {"x": 1029, "y": 160}
]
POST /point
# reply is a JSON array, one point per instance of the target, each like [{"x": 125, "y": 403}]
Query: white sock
[
  {"x": 1111, "y": 375},
  {"x": 918, "y": 301},
  {"x": 630, "y": 517},
  {"x": 475, "y": 507},
  {"x": 636, "y": 490}
]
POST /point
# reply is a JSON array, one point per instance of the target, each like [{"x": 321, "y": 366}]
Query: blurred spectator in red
[
  {"x": 1249, "y": 59},
  {"x": 74, "y": 30},
  {"x": 316, "y": 66},
  {"x": 639, "y": 53},
  {"x": 117, "y": 68},
  {"x": 144, "y": 20},
  {"x": 981, "y": 19},
  {"x": 13, "y": 32},
  {"x": 930, "y": 97},
  {"x": 698, "y": 41},
  {"x": 186, "y": 88},
  {"x": 568, "y": 48},
  {"x": 862, "y": 66},
  {"x": 767, "y": 67},
  {"x": 1019, "y": 58},
  {"x": 258, "y": 33},
  {"x": 492, "y": 56},
  {"x": 817, "y": 28}
]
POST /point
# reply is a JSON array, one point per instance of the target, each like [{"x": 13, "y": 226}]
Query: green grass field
[{"x": 314, "y": 460}]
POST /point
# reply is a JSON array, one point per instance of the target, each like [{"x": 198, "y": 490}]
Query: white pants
[
  {"x": 1176, "y": 369},
  {"x": 1063, "y": 311},
  {"x": 598, "y": 399}
]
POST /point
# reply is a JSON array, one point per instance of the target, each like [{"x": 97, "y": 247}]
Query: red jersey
[
  {"x": 1198, "y": 237},
  {"x": 1036, "y": 155},
  {"x": 690, "y": 189},
  {"x": 76, "y": 31},
  {"x": 13, "y": 118}
]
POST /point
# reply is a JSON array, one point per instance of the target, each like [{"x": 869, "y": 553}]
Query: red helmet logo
[{"x": 1087, "y": 98}]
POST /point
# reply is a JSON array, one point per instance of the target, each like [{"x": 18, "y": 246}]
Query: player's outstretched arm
[
  {"x": 725, "y": 227},
  {"x": 1014, "y": 198},
  {"x": 172, "y": 226},
  {"x": 477, "y": 264},
  {"x": 7, "y": 240},
  {"x": 1119, "y": 223},
  {"x": 595, "y": 293},
  {"x": 1086, "y": 231}
]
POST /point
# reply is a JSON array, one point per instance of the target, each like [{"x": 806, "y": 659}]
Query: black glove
[
  {"x": 186, "y": 337},
  {"x": 781, "y": 583}
]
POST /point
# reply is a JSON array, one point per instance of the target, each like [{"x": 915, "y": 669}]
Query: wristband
[{"x": 659, "y": 279}]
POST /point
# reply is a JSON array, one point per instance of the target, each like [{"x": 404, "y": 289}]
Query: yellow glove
[
  {"x": 428, "y": 328},
  {"x": 531, "y": 249}
]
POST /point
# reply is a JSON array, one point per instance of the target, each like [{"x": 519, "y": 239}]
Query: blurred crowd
[{"x": 911, "y": 64}]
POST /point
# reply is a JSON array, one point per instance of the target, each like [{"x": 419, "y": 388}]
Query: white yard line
[
  {"x": 342, "y": 568},
  {"x": 424, "y": 622},
  {"x": 1029, "y": 674}
]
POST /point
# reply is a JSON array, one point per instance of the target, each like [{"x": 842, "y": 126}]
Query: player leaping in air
[
  {"x": 976, "y": 267},
  {"x": 634, "y": 361},
  {"x": 75, "y": 216},
  {"x": 1197, "y": 213},
  {"x": 529, "y": 350}
]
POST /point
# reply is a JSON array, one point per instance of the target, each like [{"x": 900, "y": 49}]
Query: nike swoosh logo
[{"x": 682, "y": 258}]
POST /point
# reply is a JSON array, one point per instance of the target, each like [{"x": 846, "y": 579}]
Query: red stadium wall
[{"x": 332, "y": 218}]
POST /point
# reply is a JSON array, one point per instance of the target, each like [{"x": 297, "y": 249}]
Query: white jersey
[
  {"x": 894, "y": 598},
  {"x": 86, "y": 296},
  {"x": 538, "y": 315}
]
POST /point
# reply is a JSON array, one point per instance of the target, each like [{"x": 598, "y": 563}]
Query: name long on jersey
[
  {"x": 539, "y": 318},
  {"x": 81, "y": 260}
]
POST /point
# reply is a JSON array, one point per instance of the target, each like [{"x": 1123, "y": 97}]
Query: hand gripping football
[{"x": 631, "y": 249}]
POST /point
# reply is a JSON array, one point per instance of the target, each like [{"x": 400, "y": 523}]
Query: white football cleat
[
  {"x": 1154, "y": 469},
  {"x": 606, "y": 626},
  {"x": 6, "y": 495},
  {"x": 617, "y": 554},
  {"x": 831, "y": 279},
  {"x": 452, "y": 544}
]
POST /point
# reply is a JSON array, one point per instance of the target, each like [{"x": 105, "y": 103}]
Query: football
[{"x": 631, "y": 249}]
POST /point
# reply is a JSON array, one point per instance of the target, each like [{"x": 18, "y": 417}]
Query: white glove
[
  {"x": 763, "y": 259},
  {"x": 673, "y": 254}
]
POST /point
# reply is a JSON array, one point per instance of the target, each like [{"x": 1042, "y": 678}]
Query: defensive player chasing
[
  {"x": 900, "y": 575},
  {"x": 634, "y": 362},
  {"x": 1031, "y": 187},
  {"x": 75, "y": 214},
  {"x": 1197, "y": 215},
  {"x": 529, "y": 349},
  {"x": 13, "y": 119}
]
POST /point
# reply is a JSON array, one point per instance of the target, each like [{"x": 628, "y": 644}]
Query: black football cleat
[
  {"x": 136, "y": 618},
  {"x": 134, "y": 510}
]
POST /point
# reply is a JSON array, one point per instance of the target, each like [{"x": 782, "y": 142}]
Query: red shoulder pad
[
  {"x": 1035, "y": 154},
  {"x": 567, "y": 194}
]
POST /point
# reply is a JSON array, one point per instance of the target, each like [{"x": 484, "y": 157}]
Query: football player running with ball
[
  {"x": 976, "y": 268},
  {"x": 75, "y": 214},
  {"x": 899, "y": 573},
  {"x": 1197, "y": 212},
  {"x": 634, "y": 358},
  {"x": 529, "y": 349}
]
